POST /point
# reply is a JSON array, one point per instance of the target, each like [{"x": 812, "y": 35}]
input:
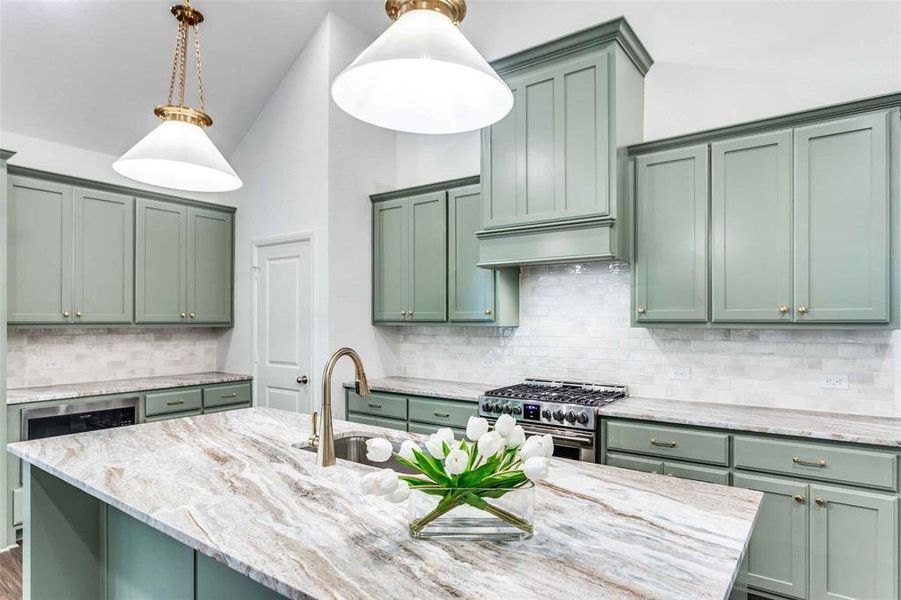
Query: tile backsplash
[
  {"x": 574, "y": 324},
  {"x": 59, "y": 356}
]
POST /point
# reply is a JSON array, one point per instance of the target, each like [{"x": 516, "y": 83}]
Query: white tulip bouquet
[{"x": 490, "y": 464}]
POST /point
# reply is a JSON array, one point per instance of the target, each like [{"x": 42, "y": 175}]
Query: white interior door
[{"x": 284, "y": 325}]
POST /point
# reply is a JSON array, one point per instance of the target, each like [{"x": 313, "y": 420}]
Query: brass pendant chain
[
  {"x": 180, "y": 60},
  {"x": 199, "y": 66}
]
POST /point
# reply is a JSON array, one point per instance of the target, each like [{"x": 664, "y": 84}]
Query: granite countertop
[
  {"x": 879, "y": 431},
  {"x": 117, "y": 386},
  {"x": 231, "y": 486},
  {"x": 434, "y": 388}
]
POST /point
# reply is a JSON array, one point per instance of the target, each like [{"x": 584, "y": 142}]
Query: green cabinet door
[
  {"x": 40, "y": 261},
  {"x": 161, "y": 262},
  {"x": 670, "y": 259},
  {"x": 853, "y": 544},
  {"x": 550, "y": 158},
  {"x": 389, "y": 261},
  {"x": 215, "y": 581},
  {"x": 209, "y": 272},
  {"x": 841, "y": 196},
  {"x": 104, "y": 257},
  {"x": 751, "y": 226},
  {"x": 470, "y": 289},
  {"x": 145, "y": 564},
  {"x": 777, "y": 554},
  {"x": 427, "y": 257}
]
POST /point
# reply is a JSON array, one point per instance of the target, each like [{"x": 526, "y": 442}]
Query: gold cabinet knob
[
  {"x": 182, "y": 315},
  {"x": 403, "y": 313},
  {"x": 642, "y": 310},
  {"x": 78, "y": 315},
  {"x": 192, "y": 315},
  {"x": 65, "y": 314},
  {"x": 799, "y": 498},
  {"x": 487, "y": 311},
  {"x": 802, "y": 310},
  {"x": 783, "y": 309},
  {"x": 820, "y": 501},
  {"x": 409, "y": 313}
]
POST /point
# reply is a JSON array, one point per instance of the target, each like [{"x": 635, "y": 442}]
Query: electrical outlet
[
  {"x": 680, "y": 373},
  {"x": 49, "y": 364},
  {"x": 834, "y": 382},
  {"x": 171, "y": 355}
]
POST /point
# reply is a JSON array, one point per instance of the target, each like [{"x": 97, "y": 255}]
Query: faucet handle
[{"x": 314, "y": 437}]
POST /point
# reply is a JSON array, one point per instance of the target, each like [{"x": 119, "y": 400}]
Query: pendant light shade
[
  {"x": 178, "y": 154},
  {"x": 422, "y": 75}
]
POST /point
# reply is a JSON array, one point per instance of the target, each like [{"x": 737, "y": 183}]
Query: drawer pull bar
[
  {"x": 809, "y": 463},
  {"x": 442, "y": 415},
  {"x": 174, "y": 402},
  {"x": 654, "y": 442},
  {"x": 374, "y": 405},
  {"x": 232, "y": 395}
]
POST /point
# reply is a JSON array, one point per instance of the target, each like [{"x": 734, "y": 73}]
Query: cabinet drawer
[
  {"x": 669, "y": 442},
  {"x": 161, "y": 403},
  {"x": 378, "y": 404},
  {"x": 225, "y": 408},
  {"x": 173, "y": 415},
  {"x": 223, "y": 395},
  {"x": 634, "y": 463},
  {"x": 697, "y": 473},
  {"x": 428, "y": 429},
  {"x": 450, "y": 414},
  {"x": 818, "y": 461},
  {"x": 377, "y": 422}
]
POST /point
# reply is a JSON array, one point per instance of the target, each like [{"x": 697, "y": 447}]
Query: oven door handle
[{"x": 580, "y": 440}]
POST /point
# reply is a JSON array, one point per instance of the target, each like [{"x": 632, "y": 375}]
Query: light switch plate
[
  {"x": 834, "y": 382},
  {"x": 680, "y": 373},
  {"x": 50, "y": 365}
]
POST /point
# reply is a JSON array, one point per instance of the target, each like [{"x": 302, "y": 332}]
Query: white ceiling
[{"x": 87, "y": 73}]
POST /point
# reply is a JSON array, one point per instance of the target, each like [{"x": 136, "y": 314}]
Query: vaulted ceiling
[{"x": 88, "y": 72}]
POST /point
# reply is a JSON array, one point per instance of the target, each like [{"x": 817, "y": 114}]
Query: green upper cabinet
[
  {"x": 842, "y": 220},
  {"x": 104, "y": 257},
  {"x": 853, "y": 544},
  {"x": 427, "y": 257},
  {"x": 209, "y": 273},
  {"x": 161, "y": 257},
  {"x": 550, "y": 172},
  {"x": 670, "y": 255},
  {"x": 40, "y": 262},
  {"x": 389, "y": 255},
  {"x": 70, "y": 254},
  {"x": 751, "y": 211},
  {"x": 470, "y": 290}
]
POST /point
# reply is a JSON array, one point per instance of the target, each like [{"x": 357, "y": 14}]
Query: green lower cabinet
[
  {"x": 219, "y": 409},
  {"x": 173, "y": 415},
  {"x": 442, "y": 413},
  {"x": 216, "y": 581},
  {"x": 145, "y": 564},
  {"x": 853, "y": 544},
  {"x": 429, "y": 428},
  {"x": 634, "y": 463},
  {"x": 696, "y": 473},
  {"x": 777, "y": 554},
  {"x": 377, "y": 421}
]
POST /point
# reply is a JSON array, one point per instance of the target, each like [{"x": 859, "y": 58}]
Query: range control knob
[
  {"x": 558, "y": 415},
  {"x": 488, "y": 407},
  {"x": 582, "y": 417},
  {"x": 546, "y": 414},
  {"x": 508, "y": 409},
  {"x": 517, "y": 410},
  {"x": 571, "y": 417}
]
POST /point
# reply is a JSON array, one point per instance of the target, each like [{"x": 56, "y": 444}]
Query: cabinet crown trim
[
  {"x": 526, "y": 229},
  {"x": 440, "y": 186},
  {"x": 6, "y": 154},
  {"x": 618, "y": 30}
]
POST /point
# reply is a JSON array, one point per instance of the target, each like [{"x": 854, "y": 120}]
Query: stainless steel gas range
[{"x": 565, "y": 409}]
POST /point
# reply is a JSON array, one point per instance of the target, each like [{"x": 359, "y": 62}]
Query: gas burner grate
[{"x": 562, "y": 392}]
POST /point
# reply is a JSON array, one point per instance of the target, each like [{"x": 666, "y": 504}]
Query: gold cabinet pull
[
  {"x": 802, "y": 310},
  {"x": 65, "y": 314},
  {"x": 174, "y": 402},
  {"x": 403, "y": 313},
  {"x": 653, "y": 472},
  {"x": 182, "y": 315},
  {"x": 642, "y": 310},
  {"x": 783, "y": 309},
  {"x": 655, "y": 442},
  {"x": 409, "y": 313},
  {"x": 809, "y": 463},
  {"x": 441, "y": 415},
  {"x": 192, "y": 315},
  {"x": 232, "y": 395},
  {"x": 78, "y": 315},
  {"x": 799, "y": 498},
  {"x": 820, "y": 501},
  {"x": 487, "y": 311},
  {"x": 374, "y": 405}
]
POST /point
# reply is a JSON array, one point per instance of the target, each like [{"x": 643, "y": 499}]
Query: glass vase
[{"x": 472, "y": 513}]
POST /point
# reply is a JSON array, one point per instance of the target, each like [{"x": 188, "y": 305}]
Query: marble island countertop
[
  {"x": 231, "y": 486},
  {"x": 433, "y": 388},
  {"x": 860, "y": 429},
  {"x": 117, "y": 386}
]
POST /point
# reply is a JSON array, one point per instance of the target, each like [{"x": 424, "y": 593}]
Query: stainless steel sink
[{"x": 353, "y": 449}]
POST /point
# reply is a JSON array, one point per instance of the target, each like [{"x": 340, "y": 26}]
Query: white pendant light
[
  {"x": 422, "y": 75},
  {"x": 178, "y": 154}
]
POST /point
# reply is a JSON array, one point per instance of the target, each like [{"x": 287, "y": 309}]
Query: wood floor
[{"x": 11, "y": 574}]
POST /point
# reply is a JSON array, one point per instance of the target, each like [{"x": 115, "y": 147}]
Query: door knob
[{"x": 303, "y": 380}]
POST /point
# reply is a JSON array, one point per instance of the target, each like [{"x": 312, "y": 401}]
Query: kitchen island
[{"x": 114, "y": 513}]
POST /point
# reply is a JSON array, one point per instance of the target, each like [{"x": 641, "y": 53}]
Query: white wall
[{"x": 429, "y": 158}]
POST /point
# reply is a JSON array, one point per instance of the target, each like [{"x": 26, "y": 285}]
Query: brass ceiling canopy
[
  {"x": 188, "y": 19},
  {"x": 455, "y": 10}
]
